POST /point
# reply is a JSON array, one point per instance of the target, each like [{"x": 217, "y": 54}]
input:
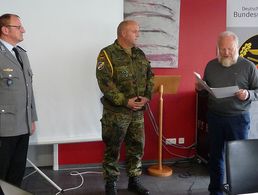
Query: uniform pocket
[
  {"x": 8, "y": 78},
  {"x": 7, "y": 117},
  {"x": 123, "y": 73},
  {"x": 8, "y": 73}
]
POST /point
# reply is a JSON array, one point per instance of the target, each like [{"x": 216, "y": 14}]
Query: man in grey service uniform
[{"x": 17, "y": 106}]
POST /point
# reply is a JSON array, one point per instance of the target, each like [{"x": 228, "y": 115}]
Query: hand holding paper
[{"x": 202, "y": 84}]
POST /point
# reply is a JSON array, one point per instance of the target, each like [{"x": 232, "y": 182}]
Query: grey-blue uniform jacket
[{"x": 17, "y": 105}]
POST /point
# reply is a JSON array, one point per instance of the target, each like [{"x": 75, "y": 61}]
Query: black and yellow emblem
[{"x": 249, "y": 50}]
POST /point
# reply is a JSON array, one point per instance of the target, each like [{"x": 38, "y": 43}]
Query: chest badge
[{"x": 7, "y": 70}]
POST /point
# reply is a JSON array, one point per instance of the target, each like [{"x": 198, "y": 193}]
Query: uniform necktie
[{"x": 18, "y": 56}]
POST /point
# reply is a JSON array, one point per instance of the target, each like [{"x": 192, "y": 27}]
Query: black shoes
[
  {"x": 135, "y": 185},
  {"x": 110, "y": 188}
]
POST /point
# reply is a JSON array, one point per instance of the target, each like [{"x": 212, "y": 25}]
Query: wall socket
[
  {"x": 170, "y": 141},
  {"x": 181, "y": 140}
]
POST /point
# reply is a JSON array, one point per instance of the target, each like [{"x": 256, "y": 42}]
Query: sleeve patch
[{"x": 100, "y": 65}]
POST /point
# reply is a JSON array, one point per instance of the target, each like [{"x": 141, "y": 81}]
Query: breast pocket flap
[{"x": 10, "y": 109}]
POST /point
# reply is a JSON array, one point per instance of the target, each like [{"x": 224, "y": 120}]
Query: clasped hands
[{"x": 136, "y": 103}]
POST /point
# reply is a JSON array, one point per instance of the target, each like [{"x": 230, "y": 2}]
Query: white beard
[{"x": 227, "y": 62}]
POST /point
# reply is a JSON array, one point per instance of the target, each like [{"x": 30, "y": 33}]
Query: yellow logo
[{"x": 249, "y": 50}]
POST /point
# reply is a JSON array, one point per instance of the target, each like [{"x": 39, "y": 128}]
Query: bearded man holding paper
[{"x": 228, "y": 118}]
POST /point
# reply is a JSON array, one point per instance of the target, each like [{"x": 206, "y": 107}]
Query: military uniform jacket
[
  {"x": 121, "y": 76},
  {"x": 17, "y": 105}
]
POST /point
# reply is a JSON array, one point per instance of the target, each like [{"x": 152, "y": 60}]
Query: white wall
[{"x": 62, "y": 39}]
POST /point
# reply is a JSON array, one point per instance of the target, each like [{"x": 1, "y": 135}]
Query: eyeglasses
[
  {"x": 231, "y": 49},
  {"x": 14, "y": 26}
]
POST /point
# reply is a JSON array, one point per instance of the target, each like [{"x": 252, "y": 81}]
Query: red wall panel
[{"x": 200, "y": 23}]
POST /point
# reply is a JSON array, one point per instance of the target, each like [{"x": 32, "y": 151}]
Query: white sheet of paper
[{"x": 221, "y": 92}]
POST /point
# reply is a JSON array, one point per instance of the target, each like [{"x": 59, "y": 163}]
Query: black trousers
[{"x": 13, "y": 155}]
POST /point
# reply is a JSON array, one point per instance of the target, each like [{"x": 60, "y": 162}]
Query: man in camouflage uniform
[{"x": 125, "y": 78}]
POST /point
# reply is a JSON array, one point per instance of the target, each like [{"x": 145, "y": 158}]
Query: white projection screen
[{"x": 63, "y": 39}]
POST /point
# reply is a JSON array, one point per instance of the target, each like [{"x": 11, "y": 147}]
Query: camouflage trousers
[{"x": 118, "y": 127}]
